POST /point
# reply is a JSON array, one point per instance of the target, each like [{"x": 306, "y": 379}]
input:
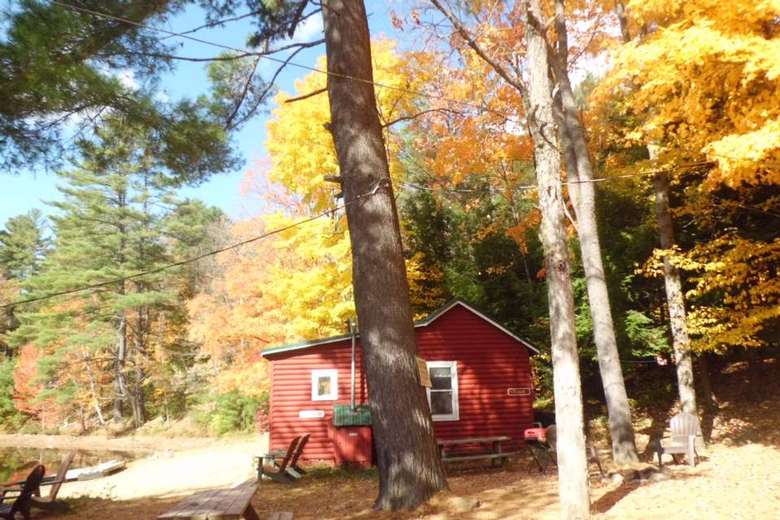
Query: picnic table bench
[
  {"x": 216, "y": 504},
  {"x": 491, "y": 448}
]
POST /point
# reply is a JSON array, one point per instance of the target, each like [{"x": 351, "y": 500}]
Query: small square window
[
  {"x": 443, "y": 392},
  {"x": 324, "y": 385}
]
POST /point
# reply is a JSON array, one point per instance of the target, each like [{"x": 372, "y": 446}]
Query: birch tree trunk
[
  {"x": 120, "y": 385},
  {"x": 410, "y": 470},
  {"x": 93, "y": 388},
  {"x": 572, "y": 462},
  {"x": 583, "y": 195},
  {"x": 674, "y": 296}
]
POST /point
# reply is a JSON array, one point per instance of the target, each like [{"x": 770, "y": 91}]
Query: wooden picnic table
[
  {"x": 491, "y": 446},
  {"x": 216, "y": 504}
]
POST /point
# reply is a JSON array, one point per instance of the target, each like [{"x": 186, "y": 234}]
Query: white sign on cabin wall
[
  {"x": 311, "y": 414},
  {"x": 518, "y": 392}
]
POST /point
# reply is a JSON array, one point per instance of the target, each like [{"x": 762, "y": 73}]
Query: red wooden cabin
[{"x": 480, "y": 372}]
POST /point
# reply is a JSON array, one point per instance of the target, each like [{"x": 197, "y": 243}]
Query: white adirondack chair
[{"x": 686, "y": 438}]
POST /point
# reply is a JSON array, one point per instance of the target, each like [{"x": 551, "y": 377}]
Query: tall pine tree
[
  {"x": 22, "y": 248},
  {"x": 119, "y": 217},
  {"x": 22, "y": 245}
]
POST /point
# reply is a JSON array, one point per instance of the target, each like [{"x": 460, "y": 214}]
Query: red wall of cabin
[
  {"x": 489, "y": 362},
  {"x": 291, "y": 393}
]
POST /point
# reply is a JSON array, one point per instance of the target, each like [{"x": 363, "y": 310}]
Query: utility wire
[
  {"x": 647, "y": 173},
  {"x": 190, "y": 260},
  {"x": 286, "y": 62},
  {"x": 184, "y": 35}
]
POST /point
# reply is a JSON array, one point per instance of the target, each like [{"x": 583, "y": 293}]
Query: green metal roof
[
  {"x": 420, "y": 323},
  {"x": 305, "y": 344}
]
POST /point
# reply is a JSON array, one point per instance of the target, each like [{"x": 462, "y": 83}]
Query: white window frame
[
  {"x": 334, "y": 384},
  {"x": 453, "y": 366}
]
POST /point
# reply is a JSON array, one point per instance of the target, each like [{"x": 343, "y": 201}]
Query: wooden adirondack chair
[
  {"x": 287, "y": 469},
  {"x": 685, "y": 438},
  {"x": 278, "y": 470},
  {"x": 293, "y": 468},
  {"x": 49, "y": 502},
  {"x": 22, "y": 502}
]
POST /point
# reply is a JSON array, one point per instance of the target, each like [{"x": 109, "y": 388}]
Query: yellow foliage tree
[
  {"x": 704, "y": 82},
  {"x": 299, "y": 144},
  {"x": 297, "y": 284},
  {"x": 701, "y": 83},
  {"x": 294, "y": 285}
]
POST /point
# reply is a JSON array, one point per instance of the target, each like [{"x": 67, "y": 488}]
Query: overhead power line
[
  {"x": 646, "y": 173},
  {"x": 248, "y": 52},
  {"x": 193, "y": 259},
  {"x": 285, "y": 62}
]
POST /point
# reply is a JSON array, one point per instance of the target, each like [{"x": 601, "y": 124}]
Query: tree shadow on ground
[
  {"x": 740, "y": 416},
  {"x": 629, "y": 485},
  {"x": 504, "y": 491},
  {"x": 100, "y": 508},
  {"x": 745, "y": 412}
]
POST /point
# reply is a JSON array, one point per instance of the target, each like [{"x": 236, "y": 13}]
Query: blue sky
[{"x": 27, "y": 190}]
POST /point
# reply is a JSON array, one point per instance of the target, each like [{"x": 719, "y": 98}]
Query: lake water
[{"x": 16, "y": 463}]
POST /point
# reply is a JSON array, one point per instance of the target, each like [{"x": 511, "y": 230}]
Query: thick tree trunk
[
  {"x": 674, "y": 296},
  {"x": 583, "y": 195},
  {"x": 410, "y": 470},
  {"x": 572, "y": 462}
]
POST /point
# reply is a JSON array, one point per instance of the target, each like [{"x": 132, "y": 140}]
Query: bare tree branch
[
  {"x": 418, "y": 114},
  {"x": 296, "y": 20},
  {"x": 240, "y": 101},
  {"x": 268, "y": 88},
  {"x": 516, "y": 82},
  {"x": 306, "y": 96},
  {"x": 222, "y": 57},
  {"x": 215, "y": 23}
]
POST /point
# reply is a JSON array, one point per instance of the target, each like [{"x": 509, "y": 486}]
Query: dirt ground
[
  {"x": 733, "y": 481},
  {"x": 736, "y": 478}
]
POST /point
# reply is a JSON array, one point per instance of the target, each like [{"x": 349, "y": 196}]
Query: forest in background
[{"x": 186, "y": 341}]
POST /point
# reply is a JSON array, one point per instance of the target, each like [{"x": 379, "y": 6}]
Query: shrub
[{"x": 232, "y": 412}]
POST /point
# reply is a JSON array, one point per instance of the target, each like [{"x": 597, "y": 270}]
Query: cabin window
[
  {"x": 324, "y": 385},
  {"x": 443, "y": 393}
]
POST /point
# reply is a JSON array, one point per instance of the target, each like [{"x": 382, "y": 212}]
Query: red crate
[{"x": 353, "y": 446}]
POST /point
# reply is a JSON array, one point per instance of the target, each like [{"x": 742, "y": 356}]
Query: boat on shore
[
  {"x": 103, "y": 469},
  {"x": 98, "y": 470}
]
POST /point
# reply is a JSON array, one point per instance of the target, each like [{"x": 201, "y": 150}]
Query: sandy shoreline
[
  {"x": 167, "y": 466},
  {"x": 171, "y": 473}
]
